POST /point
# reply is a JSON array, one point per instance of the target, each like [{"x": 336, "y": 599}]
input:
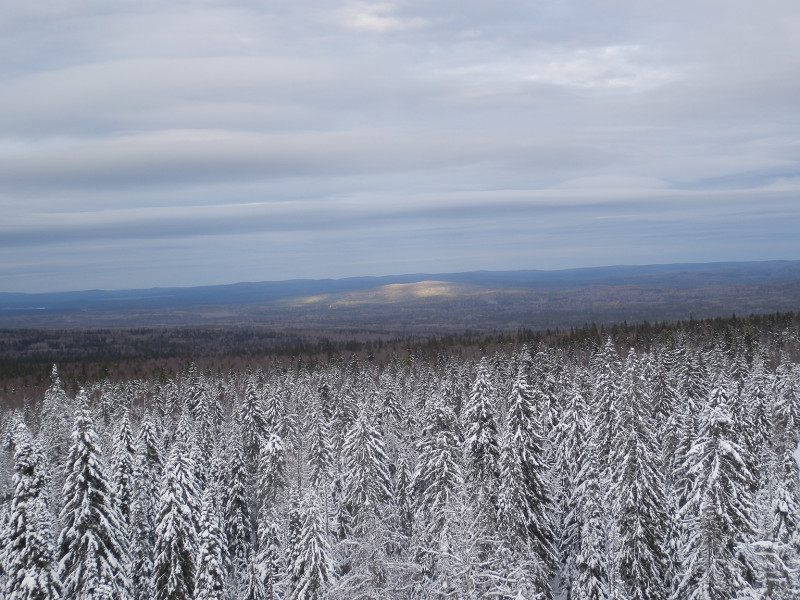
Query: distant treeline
[{"x": 27, "y": 355}]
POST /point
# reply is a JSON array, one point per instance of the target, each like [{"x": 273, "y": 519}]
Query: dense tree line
[{"x": 582, "y": 470}]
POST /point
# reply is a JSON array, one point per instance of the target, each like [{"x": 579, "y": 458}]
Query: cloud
[
  {"x": 391, "y": 135},
  {"x": 377, "y": 17}
]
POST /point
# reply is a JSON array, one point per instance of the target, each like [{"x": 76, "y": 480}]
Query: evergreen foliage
[
  {"x": 718, "y": 510},
  {"x": 581, "y": 471},
  {"x": 148, "y": 469},
  {"x": 30, "y": 571},
  {"x": 178, "y": 513},
  {"x": 92, "y": 547},
  {"x": 237, "y": 513},
  {"x": 310, "y": 569},
  {"x": 210, "y": 567},
  {"x": 481, "y": 438},
  {"x": 525, "y": 508}
]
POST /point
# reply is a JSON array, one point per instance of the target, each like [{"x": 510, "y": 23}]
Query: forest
[{"x": 587, "y": 469}]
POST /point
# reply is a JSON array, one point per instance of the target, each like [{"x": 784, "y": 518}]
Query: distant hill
[{"x": 480, "y": 300}]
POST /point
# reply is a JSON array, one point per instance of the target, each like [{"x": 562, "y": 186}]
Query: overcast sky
[{"x": 147, "y": 143}]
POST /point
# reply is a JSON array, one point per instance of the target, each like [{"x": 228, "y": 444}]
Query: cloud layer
[{"x": 197, "y": 142}]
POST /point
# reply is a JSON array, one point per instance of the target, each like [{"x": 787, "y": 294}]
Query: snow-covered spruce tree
[
  {"x": 690, "y": 378},
  {"x": 525, "y": 509},
  {"x": 175, "y": 552},
  {"x": 592, "y": 560},
  {"x": 122, "y": 466},
  {"x": 605, "y": 372},
  {"x": 251, "y": 585},
  {"x": 277, "y": 418},
  {"x": 236, "y": 510},
  {"x": 208, "y": 413},
  {"x": 310, "y": 570},
  {"x": 786, "y": 392},
  {"x": 148, "y": 470},
  {"x": 403, "y": 496},
  {"x": 776, "y": 513},
  {"x": 367, "y": 557},
  {"x": 786, "y": 421},
  {"x": 663, "y": 393},
  {"x": 191, "y": 389},
  {"x": 786, "y": 507},
  {"x": 366, "y": 474},
  {"x": 210, "y": 567},
  {"x": 718, "y": 510},
  {"x": 638, "y": 503},
  {"x": 345, "y": 410},
  {"x": 5, "y": 535},
  {"x": 391, "y": 408},
  {"x": 572, "y": 435},
  {"x": 272, "y": 468},
  {"x": 28, "y": 557},
  {"x": 294, "y": 533},
  {"x": 438, "y": 471},
  {"x": 481, "y": 438},
  {"x": 55, "y": 435},
  {"x": 693, "y": 393},
  {"x": 270, "y": 558},
  {"x": 92, "y": 548},
  {"x": 751, "y": 411},
  {"x": 252, "y": 421},
  {"x": 771, "y": 554},
  {"x": 318, "y": 451}
]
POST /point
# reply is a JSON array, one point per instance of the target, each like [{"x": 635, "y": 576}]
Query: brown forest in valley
[{"x": 82, "y": 355}]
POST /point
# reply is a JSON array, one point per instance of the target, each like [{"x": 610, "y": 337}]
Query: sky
[{"x": 151, "y": 144}]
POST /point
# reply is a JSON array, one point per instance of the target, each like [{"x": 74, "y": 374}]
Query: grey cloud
[{"x": 449, "y": 135}]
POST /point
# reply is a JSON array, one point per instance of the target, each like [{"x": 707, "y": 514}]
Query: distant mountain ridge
[{"x": 574, "y": 293}]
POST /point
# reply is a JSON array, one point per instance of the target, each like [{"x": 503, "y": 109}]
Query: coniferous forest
[{"x": 583, "y": 471}]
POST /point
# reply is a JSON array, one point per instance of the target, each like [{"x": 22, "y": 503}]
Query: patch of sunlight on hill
[
  {"x": 422, "y": 289},
  {"x": 306, "y": 300},
  {"x": 394, "y": 293}
]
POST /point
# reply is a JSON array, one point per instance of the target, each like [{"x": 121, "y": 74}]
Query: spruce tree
[
  {"x": 437, "y": 475},
  {"x": 93, "y": 550},
  {"x": 592, "y": 559},
  {"x": 55, "y": 435},
  {"x": 638, "y": 499},
  {"x": 210, "y": 562},
  {"x": 718, "y": 510},
  {"x": 311, "y": 567},
  {"x": 253, "y": 423},
  {"x": 605, "y": 373},
  {"x": 271, "y": 559},
  {"x": 319, "y": 453},
  {"x": 272, "y": 468},
  {"x": 366, "y": 474},
  {"x": 28, "y": 556},
  {"x": 572, "y": 437},
  {"x": 123, "y": 465},
  {"x": 174, "y": 568},
  {"x": 148, "y": 470},
  {"x": 237, "y": 513},
  {"x": 481, "y": 438},
  {"x": 524, "y": 503},
  {"x": 5, "y": 540},
  {"x": 252, "y": 585}
]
